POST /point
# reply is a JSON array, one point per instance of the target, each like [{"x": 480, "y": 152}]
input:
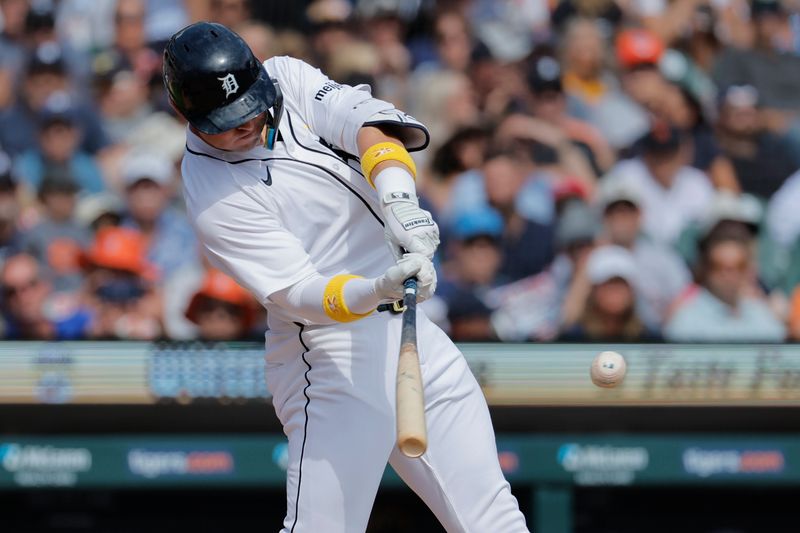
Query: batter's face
[{"x": 239, "y": 139}]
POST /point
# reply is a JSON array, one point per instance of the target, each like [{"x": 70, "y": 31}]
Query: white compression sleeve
[
  {"x": 305, "y": 297},
  {"x": 393, "y": 180}
]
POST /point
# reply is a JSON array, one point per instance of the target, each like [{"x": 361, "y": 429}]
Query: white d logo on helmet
[{"x": 229, "y": 85}]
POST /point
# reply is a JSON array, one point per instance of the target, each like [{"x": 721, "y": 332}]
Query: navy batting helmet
[{"x": 216, "y": 82}]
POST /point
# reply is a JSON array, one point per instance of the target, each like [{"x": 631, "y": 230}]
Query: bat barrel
[{"x": 412, "y": 438}]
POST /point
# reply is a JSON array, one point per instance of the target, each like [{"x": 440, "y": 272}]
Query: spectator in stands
[
  {"x": 470, "y": 319},
  {"x": 121, "y": 95},
  {"x": 762, "y": 160},
  {"x": 586, "y": 78},
  {"x": 661, "y": 272},
  {"x": 97, "y": 211},
  {"x": 673, "y": 193},
  {"x": 119, "y": 287},
  {"x": 547, "y": 101},
  {"x": 609, "y": 313},
  {"x": 454, "y": 40},
  {"x": 231, "y": 13},
  {"x": 534, "y": 308},
  {"x": 130, "y": 38},
  {"x": 13, "y": 34},
  {"x": 725, "y": 305},
  {"x": 260, "y": 38},
  {"x": 527, "y": 246},
  {"x": 30, "y": 312},
  {"x": 57, "y": 240},
  {"x": 681, "y": 106},
  {"x": 475, "y": 255},
  {"x": 10, "y": 235},
  {"x": 221, "y": 309},
  {"x": 148, "y": 181},
  {"x": 638, "y": 53},
  {"x": 770, "y": 64},
  {"x": 59, "y": 150},
  {"x": 45, "y": 76},
  {"x": 463, "y": 153}
]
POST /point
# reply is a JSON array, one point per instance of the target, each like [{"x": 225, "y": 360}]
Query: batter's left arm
[
  {"x": 375, "y": 131},
  {"x": 391, "y": 171}
]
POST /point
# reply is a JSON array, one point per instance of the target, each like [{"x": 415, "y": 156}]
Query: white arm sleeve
[
  {"x": 305, "y": 297},
  {"x": 336, "y": 112}
]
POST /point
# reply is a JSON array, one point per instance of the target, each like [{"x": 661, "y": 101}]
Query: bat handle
[{"x": 410, "y": 292}]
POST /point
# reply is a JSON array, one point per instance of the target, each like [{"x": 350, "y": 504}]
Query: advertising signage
[
  {"x": 248, "y": 460},
  {"x": 510, "y": 374}
]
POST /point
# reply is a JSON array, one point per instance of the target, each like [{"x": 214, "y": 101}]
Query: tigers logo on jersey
[{"x": 229, "y": 84}]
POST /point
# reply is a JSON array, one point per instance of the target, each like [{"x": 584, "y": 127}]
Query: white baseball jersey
[{"x": 271, "y": 218}]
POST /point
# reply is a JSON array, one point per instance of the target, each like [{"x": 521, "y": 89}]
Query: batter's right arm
[{"x": 346, "y": 297}]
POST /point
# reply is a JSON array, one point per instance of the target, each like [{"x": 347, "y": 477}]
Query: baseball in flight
[{"x": 608, "y": 369}]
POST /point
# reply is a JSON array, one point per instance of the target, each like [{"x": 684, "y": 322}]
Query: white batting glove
[
  {"x": 390, "y": 285},
  {"x": 408, "y": 228}
]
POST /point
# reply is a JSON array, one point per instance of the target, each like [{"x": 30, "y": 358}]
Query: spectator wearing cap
[
  {"x": 40, "y": 29},
  {"x": 31, "y": 311},
  {"x": 548, "y": 102},
  {"x": 673, "y": 194},
  {"x": 761, "y": 159},
  {"x": 147, "y": 178},
  {"x": 472, "y": 269},
  {"x": 57, "y": 240},
  {"x": 96, "y": 211},
  {"x": 724, "y": 306},
  {"x": 121, "y": 95},
  {"x": 661, "y": 272},
  {"x": 682, "y": 105},
  {"x": 119, "y": 287},
  {"x": 638, "y": 53},
  {"x": 770, "y": 64},
  {"x": 46, "y": 76},
  {"x": 59, "y": 150},
  {"x": 221, "y": 309},
  {"x": 609, "y": 313},
  {"x": 535, "y": 307},
  {"x": 587, "y": 78}
]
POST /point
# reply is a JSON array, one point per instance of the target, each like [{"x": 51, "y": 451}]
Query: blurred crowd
[{"x": 601, "y": 170}]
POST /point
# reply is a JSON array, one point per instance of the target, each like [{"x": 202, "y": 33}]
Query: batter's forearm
[{"x": 319, "y": 299}]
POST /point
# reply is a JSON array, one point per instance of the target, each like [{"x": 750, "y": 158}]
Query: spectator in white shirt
[
  {"x": 673, "y": 194},
  {"x": 661, "y": 272}
]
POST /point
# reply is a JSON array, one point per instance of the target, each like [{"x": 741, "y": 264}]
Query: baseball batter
[{"x": 294, "y": 183}]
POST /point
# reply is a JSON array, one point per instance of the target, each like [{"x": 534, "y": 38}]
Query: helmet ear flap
[{"x": 274, "y": 117}]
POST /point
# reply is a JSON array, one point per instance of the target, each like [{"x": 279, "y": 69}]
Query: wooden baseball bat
[{"x": 412, "y": 434}]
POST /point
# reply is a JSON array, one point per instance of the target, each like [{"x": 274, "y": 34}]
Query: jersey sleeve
[
  {"x": 246, "y": 241},
  {"x": 335, "y": 112}
]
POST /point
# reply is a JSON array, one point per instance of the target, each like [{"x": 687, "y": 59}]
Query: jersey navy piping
[
  {"x": 305, "y": 426},
  {"x": 334, "y": 176},
  {"x": 331, "y": 154}
]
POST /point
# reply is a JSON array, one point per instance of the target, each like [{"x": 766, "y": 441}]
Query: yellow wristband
[
  {"x": 385, "y": 151},
  {"x": 333, "y": 300}
]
